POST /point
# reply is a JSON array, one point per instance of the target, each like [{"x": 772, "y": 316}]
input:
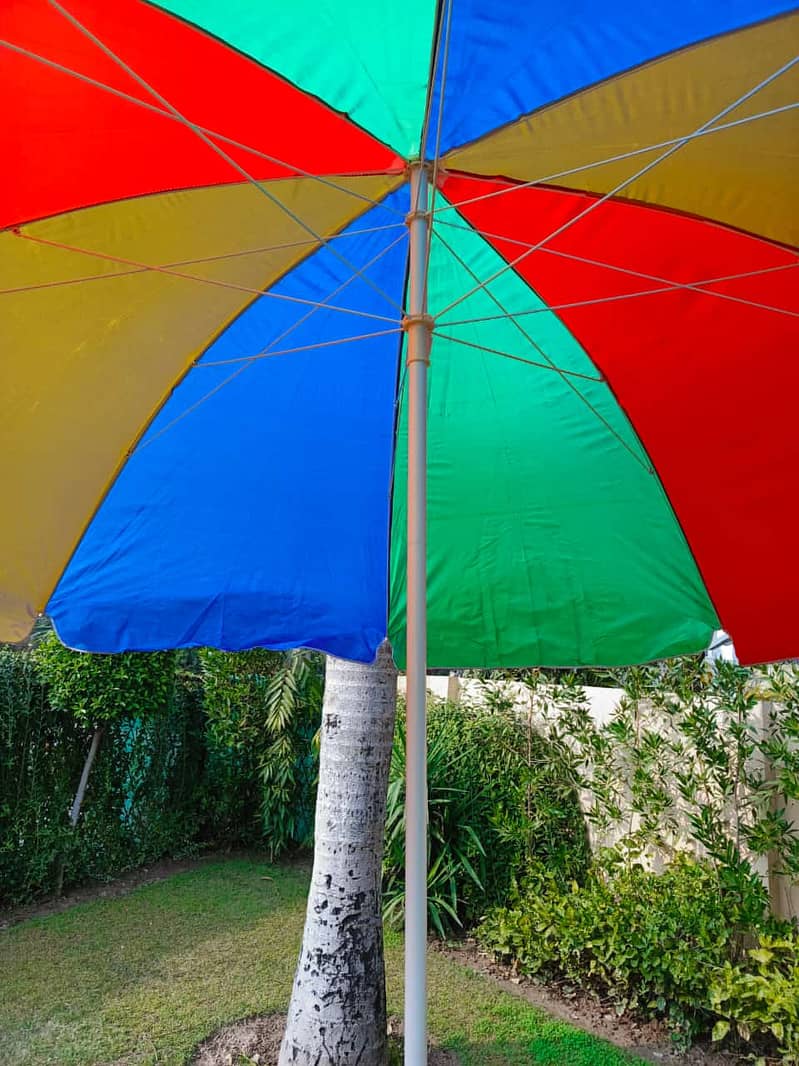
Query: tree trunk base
[
  {"x": 337, "y": 1013},
  {"x": 262, "y": 1035}
]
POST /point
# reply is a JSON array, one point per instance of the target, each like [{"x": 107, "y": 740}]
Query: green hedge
[
  {"x": 167, "y": 779},
  {"x": 671, "y": 945},
  {"x": 144, "y": 793}
]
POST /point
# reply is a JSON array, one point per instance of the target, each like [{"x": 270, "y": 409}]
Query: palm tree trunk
[{"x": 337, "y": 1014}]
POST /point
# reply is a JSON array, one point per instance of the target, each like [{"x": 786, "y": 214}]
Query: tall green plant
[
  {"x": 691, "y": 759},
  {"x": 264, "y": 709},
  {"x": 686, "y": 759},
  {"x": 36, "y": 742},
  {"x": 496, "y": 801},
  {"x": 105, "y": 688}
]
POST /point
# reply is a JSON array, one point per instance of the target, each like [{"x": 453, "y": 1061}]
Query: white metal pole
[{"x": 418, "y": 326}]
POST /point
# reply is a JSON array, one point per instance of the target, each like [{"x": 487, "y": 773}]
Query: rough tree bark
[{"x": 337, "y": 1014}]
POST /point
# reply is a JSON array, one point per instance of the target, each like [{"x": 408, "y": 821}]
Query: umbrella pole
[{"x": 418, "y": 326}]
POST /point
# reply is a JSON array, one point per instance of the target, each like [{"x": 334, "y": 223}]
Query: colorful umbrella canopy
[{"x": 203, "y": 259}]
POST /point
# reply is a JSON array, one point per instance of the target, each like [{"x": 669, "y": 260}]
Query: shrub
[
  {"x": 647, "y": 941},
  {"x": 760, "y": 996},
  {"x": 41, "y": 755},
  {"x": 105, "y": 688},
  {"x": 264, "y": 709},
  {"x": 496, "y": 799},
  {"x": 143, "y": 792},
  {"x": 667, "y": 946}
]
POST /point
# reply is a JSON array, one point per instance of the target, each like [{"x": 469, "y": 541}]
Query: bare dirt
[
  {"x": 257, "y": 1040},
  {"x": 647, "y": 1040}
]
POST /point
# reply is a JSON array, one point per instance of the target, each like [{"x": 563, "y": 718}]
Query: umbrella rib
[
  {"x": 428, "y": 106},
  {"x": 265, "y": 352},
  {"x": 300, "y": 348},
  {"x": 494, "y": 298},
  {"x": 549, "y": 178},
  {"x": 324, "y": 305},
  {"x": 219, "y": 151},
  {"x": 222, "y": 257},
  {"x": 315, "y": 306},
  {"x": 439, "y": 127},
  {"x": 625, "y": 296},
  {"x": 599, "y": 262},
  {"x": 141, "y": 267},
  {"x": 565, "y": 375},
  {"x": 622, "y": 185},
  {"x": 668, "y": 286},
  {"x": 290, "y": 167},
  {"x": 518, "y": 358}
]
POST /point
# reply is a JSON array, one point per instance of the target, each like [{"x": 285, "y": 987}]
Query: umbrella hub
[{"x": 422, "y": 318}]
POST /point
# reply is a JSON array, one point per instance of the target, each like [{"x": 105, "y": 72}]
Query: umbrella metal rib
[
  {"x": 142, "y": 267},
  {"x": 221, "y": 257},
  {"x": 565, "y": 375},
  {"x": 300, "y": 348},
  {"x": 614, "y": 266},
  {"x": 315, "y": 306},
  {"x": 623, "y": 185},
  {"x": 437, "y": 150},
  {"x": 547, "y": 179},
  {"x": 666, "y": 287},
  {"x": 262, "y": 188},
  {"x": 517, "y": 358},
  {"x": 291, "y": 168}
]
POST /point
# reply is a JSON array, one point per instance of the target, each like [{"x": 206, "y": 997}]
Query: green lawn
[{"x": 142, "y": 978}]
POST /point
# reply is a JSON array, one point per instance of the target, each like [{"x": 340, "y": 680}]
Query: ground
[{"x": 141, "y": 979}]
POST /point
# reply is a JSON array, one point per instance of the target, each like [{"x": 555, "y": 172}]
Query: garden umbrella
[{"x": 224, "y": 223}]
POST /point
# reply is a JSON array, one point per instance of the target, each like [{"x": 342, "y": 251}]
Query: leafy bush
[
  {"x": 760, "y": 996},
  {"x": 104, "y": 688},
  {"x": 647, "y": 941},
  {"x": 687, "y": 758},
  {"x": 196, "y": 749},
  {"x": 496, "y": 799},
  {"x": 264, "y": 709},
  {"x": 142, "y": 797},
  {"x": 40, "y": 760}
]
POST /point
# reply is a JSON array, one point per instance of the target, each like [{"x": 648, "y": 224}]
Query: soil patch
[
  {"x": 648, "y": 1040},
  {"x": 257, "y": 1040}
]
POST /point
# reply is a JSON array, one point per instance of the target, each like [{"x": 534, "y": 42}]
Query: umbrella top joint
[
  {"x": 419, "y": 172},
  {"x": 417, "y": 324}
]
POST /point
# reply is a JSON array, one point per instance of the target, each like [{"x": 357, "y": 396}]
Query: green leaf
[{"x": 720, "y": 1030}]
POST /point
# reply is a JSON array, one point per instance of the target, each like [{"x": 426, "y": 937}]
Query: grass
[{"x": 142, "y": 978}]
